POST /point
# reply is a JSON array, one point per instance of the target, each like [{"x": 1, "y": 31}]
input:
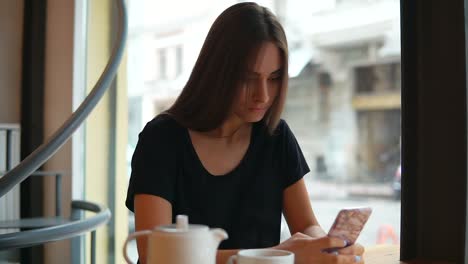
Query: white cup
[{"x": 262, "y": 256}]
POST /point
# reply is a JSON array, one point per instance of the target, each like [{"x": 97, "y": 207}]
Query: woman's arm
[
  {"x": 150, "y": 211},
  {"x": 298, "y": 211},
  {"x": 223, "y": 255},
  {"x": 301, "y": 220}
]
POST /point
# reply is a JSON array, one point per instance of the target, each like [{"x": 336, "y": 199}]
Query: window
[
  {"x": 179, "y": 60},
  {"x": 162, "y": 64},
  {"x": 344, "y": 107},
  {"x": 340, "y": 83},
  {"x": 348, "y": 88}
]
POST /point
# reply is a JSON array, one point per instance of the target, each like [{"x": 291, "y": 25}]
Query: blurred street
[
  {"x": 328, "y": 198},
  {"x": 385, "y": 215}
]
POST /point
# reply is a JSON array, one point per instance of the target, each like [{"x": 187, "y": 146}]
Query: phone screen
[{"x": 349, "y": 223}]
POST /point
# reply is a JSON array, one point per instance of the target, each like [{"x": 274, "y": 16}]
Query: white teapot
[{"x": 180, "y": 243}]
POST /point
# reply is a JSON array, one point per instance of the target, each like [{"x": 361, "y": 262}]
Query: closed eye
[{"x": 275, "y": 75}]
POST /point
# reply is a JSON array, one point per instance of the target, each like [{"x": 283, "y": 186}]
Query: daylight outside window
[{"x": 343, "y": 101}]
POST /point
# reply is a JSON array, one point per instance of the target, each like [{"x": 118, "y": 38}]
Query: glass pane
[
  {"x": 344, "y": 107},
  {"x": 344, "y": 92},
  {"x": 466, "y": 60}
]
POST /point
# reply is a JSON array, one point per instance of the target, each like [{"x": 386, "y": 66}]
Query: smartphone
[{"x": 349, "y": 223}]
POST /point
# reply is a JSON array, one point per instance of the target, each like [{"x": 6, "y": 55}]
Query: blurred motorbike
[{"x": 396, "y": 184}]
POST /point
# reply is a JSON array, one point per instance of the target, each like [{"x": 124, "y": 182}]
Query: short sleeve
[
  {"x": 154, "y": 163},
  {"x": 294, "y": 165}
]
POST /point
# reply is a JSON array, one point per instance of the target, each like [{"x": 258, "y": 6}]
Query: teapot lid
[{"x": 182, "y": 225}]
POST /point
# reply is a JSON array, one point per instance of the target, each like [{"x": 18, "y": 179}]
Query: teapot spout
[{"x": 218, "y": 235}]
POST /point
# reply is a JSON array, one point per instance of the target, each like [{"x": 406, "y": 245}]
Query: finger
[
  {"x": 360, "y": 249},
  {"x": 330, "y": 258},
  {"x": 300, "y": 235},
  {"x": 331, "y": 242},
  {"x": 355, "y": 249},
  {"x": 349, "y": 259}
]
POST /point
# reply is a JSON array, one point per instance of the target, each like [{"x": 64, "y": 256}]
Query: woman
[{"x": 222, "y": 155}]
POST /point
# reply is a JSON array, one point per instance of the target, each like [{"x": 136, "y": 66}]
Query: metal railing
[
  {"x": 44, "y": 152},
  {"x": 63, "y": 231},
  {"x": 14, "y": 223},
  {"x": 9, "y": 156}
]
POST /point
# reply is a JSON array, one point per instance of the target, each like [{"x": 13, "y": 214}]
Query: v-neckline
[{"x": 236, "y": 168}]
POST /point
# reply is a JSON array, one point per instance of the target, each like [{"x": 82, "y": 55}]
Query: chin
[{"x": 253, "y": 118}]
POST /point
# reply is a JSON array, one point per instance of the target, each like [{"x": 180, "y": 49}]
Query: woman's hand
[
  {"x": 311, "y": 250},
  {"x": 355, "y": 249}
]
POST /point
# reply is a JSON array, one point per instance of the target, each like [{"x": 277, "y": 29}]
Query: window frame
[
  {"x": 434, "y": 185},
  {"x": 434, "y": 190}
]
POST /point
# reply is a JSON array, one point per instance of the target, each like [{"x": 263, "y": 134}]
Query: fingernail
[{"x": 357, "y": 258}]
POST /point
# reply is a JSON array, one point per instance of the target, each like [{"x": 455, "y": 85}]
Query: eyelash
[
  {"x": 270, "y": 79},
  {"x": 277, "y": 78}
]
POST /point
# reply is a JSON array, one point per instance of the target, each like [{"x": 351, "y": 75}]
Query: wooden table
[{"x": 390, "y": 254}]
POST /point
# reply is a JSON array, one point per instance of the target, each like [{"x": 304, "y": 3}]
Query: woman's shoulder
[
  {"x": 162, "y": 124},
  {"x": 281, "y": 131},
  {"x": 281, "y": 128},
  {"x": 282, "y": 125}
]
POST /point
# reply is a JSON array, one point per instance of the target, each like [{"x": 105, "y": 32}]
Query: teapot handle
[
  {"x": 232, "y": 259},
  {"x": 131, "y": 237}
]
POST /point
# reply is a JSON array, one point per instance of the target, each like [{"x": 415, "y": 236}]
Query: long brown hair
[{"x": 234, "y": 37}]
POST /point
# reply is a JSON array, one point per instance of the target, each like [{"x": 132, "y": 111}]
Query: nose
[{"x": 261, "y": 92}]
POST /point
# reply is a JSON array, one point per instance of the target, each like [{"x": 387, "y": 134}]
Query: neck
[{"x": 229, "y": 129}]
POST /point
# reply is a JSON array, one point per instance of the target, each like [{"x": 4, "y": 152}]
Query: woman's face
[{"x": 262, "y": 85}]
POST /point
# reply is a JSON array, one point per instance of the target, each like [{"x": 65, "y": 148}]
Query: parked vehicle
[{"x": 396, "y": 185}]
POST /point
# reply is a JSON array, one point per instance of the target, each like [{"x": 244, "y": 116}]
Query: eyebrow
[{"x": 278, "y": 71}]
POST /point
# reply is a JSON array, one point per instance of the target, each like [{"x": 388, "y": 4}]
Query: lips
[{"x": 256, "y": 108}]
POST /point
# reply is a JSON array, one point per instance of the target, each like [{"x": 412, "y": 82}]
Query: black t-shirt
[{"x": 246, "y": 202}]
